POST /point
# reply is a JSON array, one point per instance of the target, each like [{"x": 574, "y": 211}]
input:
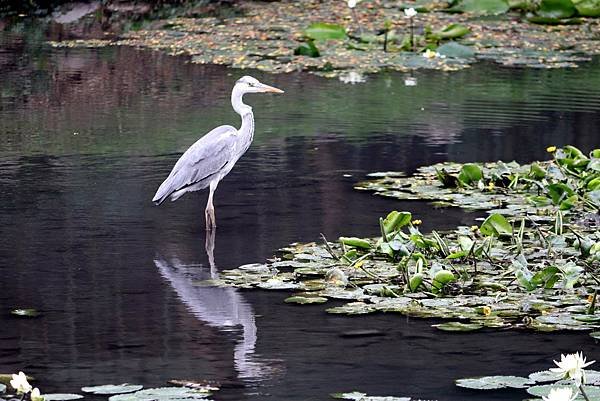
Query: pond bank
[{"x": 264, "y": 36}]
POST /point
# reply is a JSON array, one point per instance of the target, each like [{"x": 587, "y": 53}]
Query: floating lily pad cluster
[
  {"x": 134, "y": 392},
  {"x": 537, "y": 383},
  {"x": 571, "y": 181},
  {"x": 531, "y": 264},
  {"x": 358, "y": 396},
  {"x": 539, "y": 11}
]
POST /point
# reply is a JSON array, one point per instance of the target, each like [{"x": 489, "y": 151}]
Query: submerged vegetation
[{"x": 532, "y": 263}]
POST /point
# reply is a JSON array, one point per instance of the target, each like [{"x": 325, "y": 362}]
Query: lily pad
[
  {"x": 325, "y": 31},
  {"x": 162, "y": 394},
  {"x": 543, "y": 391},
  {"x": 357, "y": 396},
  {"x": 61, "y": 397},
  {"x": 556, "y": 9},
  {"x": 305, "y": 300},
  {"x": 453, "y": 49},
  {"x": 544, "y": 376},
  {"x": 458, "y": 326},
  {"x": 587, "y": 8},
  {"x": 494, "y": 382},
  {"x": 482, "y": 7},
  {"x": 113, "y": 388}
]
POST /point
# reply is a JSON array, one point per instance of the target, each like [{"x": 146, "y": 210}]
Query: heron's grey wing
[{"x": 205, "y": 158}]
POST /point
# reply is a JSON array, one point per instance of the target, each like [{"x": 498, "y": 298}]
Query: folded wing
[{"x": 200, "y": 164}]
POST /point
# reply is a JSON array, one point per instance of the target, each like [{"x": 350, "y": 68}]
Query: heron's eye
[{"x": 250, "y": 84}]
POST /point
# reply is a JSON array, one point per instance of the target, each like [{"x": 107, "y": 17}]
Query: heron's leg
[{"x": 211, "y": 221}]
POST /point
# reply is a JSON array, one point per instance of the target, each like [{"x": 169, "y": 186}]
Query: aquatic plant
[
  {"x": 530, "y": 264},
  {"x": 411, "y": 13},
  {"x": 183, "y": 391},
  {"x": 571, "y": 366},
  {"x": 20, "y": 384},
  {"x": 569, "y": 379}
]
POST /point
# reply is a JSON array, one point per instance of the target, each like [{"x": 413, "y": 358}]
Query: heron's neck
[{"x": 245, "y": 111}]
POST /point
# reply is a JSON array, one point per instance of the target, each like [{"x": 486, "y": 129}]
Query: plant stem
[
  {"x": 331, "y": 252},
  {"x": 412, "y": 36},
  {"x": 583, "y": 392}
]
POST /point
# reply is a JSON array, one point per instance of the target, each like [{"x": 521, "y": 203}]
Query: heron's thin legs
[{"x": 211, "y": 221}]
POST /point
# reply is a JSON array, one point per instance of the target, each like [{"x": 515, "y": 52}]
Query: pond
[{"x": 86, "y": 137}]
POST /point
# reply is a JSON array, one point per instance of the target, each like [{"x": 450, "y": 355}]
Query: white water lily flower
[
  {"x": 560, "y": 394},
  {"x": 19, "y": 382},
  {"x": 35, "y": 395},
  {"x": 571, "y": 367},
  {"x": 410, "y": 12},
  {"x": 351, "y": 3}
]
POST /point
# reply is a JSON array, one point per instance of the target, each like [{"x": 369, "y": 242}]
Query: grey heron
[{"x": 212, "y": 157}]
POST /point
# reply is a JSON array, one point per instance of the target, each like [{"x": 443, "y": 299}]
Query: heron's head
[{"x": 248, "y": 84}]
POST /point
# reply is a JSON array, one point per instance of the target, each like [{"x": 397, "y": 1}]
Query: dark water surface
[{"x": 86, "y": 136}]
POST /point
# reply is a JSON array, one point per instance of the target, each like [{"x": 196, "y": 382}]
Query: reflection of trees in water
[{"x": 223, "y": 308}]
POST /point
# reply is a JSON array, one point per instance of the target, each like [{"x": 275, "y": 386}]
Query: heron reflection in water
[{"x": 223, "y": 308}]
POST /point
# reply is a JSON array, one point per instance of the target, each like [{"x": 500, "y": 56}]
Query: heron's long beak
[{"x": 267, "y": 88}]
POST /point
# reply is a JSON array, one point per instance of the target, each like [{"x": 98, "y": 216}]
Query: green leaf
[
  {"x": 558, "y": 9},
  {"x": 355, "y": 242},
  {"x": 456, "y": 50},
  {"x": 61, "y": 397},
  {"x": 415, "y": 282},
  {"x": 162, "y": 394},
  {"x": 307, "y": 49},
  {"x": 494, "y": 382},
  {"x": 546, "y": 278},
  {"x": 113, "y": 388},
  {"x": 571, "y": 151},
  {"x": 545, "y": 376},
  {"x": 305, "y": 300},
  {"x": 458, "y": 326},
  {"x": 396, "y": 220},
  {"x": 325, "y": 31},
  {"x": 496, "y": 225},
  {"x": 536, "y": 171},
  {"x": 482, "y": 7},
  {"x": 447, "y": 180},
  {"x": 594, "y": 184},
  {"x": 451, "y": 31},
  {"x": 558, "y": 192},
  {"x": 593, "y": 392},
  {"x": 587, "y": 8},
  {"x": 470, "y": 174},
  {"x": 440, "y": 279}
]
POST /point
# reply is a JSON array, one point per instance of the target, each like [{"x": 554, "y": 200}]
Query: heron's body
[{"x": 213, "y": 156}]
